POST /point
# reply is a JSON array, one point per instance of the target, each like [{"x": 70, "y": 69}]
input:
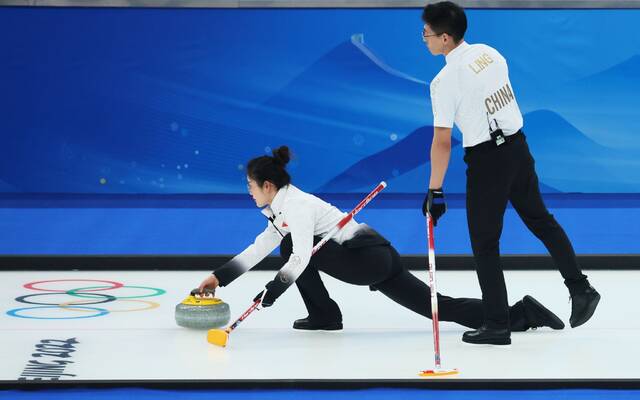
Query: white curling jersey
[
  {"x": 473, "y": 90},
  {"x": 300, "y": 214}
]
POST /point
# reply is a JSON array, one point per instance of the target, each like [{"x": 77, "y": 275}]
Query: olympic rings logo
[{"x": 89, "y": 296}]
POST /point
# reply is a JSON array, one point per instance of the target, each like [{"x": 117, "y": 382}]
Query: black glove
[
  {"x": 434, "y": 204},
  {"x": 269, "y": 298}
]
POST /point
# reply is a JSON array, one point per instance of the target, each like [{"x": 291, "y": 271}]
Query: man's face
[{"x": 434, "y": 41}]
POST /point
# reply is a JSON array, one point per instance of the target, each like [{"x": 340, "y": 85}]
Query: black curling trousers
[
  {"x": 380, "y": 268},
  {"x": 495, "y": 176}
]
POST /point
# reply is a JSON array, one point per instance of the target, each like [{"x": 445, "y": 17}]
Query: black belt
[{"x": 489, "y": 145}]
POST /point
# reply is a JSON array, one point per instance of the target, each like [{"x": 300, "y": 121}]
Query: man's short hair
[{"x": 446, "y": 17}]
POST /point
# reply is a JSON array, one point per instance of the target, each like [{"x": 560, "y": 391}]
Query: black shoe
[
  {"x": 484, "y": 335},
  {"x": 583, "y": 305},
  {"x": 538, "y": 315},
  {"x": 307, "y": 324}
]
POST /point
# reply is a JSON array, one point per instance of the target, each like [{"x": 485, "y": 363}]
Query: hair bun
[{"x": 282, "y": 155}]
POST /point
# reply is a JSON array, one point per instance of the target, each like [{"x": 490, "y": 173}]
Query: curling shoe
[
  {"x": 538, "y": 315},
  {"x": 307, "y": 324},
  {"x": 485, "y": 335},
  {"x": 583, "y": 305}
]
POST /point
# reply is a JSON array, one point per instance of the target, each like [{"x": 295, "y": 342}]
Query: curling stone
[{"x": 202, "y": 311}]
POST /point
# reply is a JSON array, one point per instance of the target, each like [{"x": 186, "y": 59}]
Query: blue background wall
[{"x": 175, "y": 101}]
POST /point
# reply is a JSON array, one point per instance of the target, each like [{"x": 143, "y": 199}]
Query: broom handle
[{"x": 434, "y": 292}]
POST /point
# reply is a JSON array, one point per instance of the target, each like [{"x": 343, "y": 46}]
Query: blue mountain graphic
[
  {"x": 603, "y": 106},
  {"x": 547, "y": 128},
  {"x": 570, "y": 161},
  {"x": 345, "y": 106},
  {"x": 351, "y": 85},
  {"x": 611, "y": 90},
  {"x": 567, "y": 161},
  {"x": 402, "y": 157},
  {"x": 624, "y": 74}
]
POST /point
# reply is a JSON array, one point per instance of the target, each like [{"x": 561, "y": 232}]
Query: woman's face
[{"x": 261, "y": 195}]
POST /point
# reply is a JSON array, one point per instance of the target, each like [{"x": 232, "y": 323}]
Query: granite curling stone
[{"x": 202, "y": 311}]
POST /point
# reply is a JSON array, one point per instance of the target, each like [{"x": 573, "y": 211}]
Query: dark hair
[
  {"x": 446, "y": 17},
  {"x": 272, "y": 169}
]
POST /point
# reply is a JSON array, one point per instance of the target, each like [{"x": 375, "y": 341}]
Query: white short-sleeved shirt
[{"x": 473, "y": 90}]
